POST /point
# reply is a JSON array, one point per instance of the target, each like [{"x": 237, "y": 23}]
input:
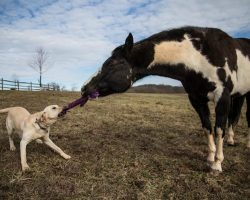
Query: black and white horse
[{"x": 211, "y": 65}]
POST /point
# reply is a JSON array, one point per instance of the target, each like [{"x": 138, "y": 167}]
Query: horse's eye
[{"x": 54, "y": 108}]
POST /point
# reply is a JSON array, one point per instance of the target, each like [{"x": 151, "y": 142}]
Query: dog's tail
[{"x": 5, "y": 110}]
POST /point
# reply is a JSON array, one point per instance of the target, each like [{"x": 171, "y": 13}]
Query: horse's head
[{"x": 116, "y": 73}]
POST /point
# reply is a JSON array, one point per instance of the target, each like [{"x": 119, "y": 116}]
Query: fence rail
[{"x": 26, "y": 86}]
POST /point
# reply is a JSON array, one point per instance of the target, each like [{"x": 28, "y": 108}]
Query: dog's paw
[
  {"x": 13, "y": 148},
  {"x": 66, "y": 156},
  {"x": 38, "y": 141},
  {"x": 25, "y": 168}
]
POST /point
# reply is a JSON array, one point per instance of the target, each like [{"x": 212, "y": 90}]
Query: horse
[{"x": 210, "y": 64}]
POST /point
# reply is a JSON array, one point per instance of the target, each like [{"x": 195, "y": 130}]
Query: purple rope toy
[{"x": 81, "y": 101}]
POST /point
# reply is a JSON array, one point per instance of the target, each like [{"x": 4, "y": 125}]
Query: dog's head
[{"x": 50, "y": 114}]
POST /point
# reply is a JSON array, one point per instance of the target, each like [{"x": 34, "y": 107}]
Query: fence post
[
  {"x": 48, "y": 86},
  {"x": 2, "y": 83},
  {"x": 31, "y": 86},
  {"x": 18, "y": 85}
]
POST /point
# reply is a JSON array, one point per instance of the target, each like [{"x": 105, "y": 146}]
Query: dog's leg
[
  {"x": 12, "y": 145},
  {"x": 10, "y": 131},
  {"x": 39, "y": 141},
  {"x": 48, "y": 142},
  {"x": 23, "y": 145}
]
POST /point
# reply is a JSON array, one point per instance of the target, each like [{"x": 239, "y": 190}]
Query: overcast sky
[{"x": 80, "y": 34}]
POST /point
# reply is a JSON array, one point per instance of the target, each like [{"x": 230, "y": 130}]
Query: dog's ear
[{"x": 44, "y": 117}]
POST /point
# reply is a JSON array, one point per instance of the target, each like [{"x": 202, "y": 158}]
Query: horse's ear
[{"x": 129, "y": 42}]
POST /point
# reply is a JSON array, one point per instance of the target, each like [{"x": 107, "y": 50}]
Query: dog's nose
[{"x": 62, "y": 112}]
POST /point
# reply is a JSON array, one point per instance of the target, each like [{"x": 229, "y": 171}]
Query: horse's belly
[{"x": 242, "y": 84}]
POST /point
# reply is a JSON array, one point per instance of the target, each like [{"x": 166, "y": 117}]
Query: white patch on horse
[
  {"x": 129, "y": 76},
  {"x": 242, "y": 85},
  {"x": 233, "y": 74},
  {"x": 230, "y": 137},
  {"x": 217, "y": 94},
  {"x": 211, "y": 147},
  {"x": 174, "y": 52},
  {"x": 210, "y": 96}
]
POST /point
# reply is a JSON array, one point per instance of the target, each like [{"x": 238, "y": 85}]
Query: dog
[{"x": 31, "y": 127}]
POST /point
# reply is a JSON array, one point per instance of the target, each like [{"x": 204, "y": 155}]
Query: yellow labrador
[{"x": 32, "y": 127}]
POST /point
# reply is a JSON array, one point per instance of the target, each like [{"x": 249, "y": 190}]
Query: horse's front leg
[
  {"x": 222, "y": 101},
  {"x": 201, "y": 107}
]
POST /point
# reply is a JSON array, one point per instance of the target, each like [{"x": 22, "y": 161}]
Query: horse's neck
[{"x": 176, "y": 72}]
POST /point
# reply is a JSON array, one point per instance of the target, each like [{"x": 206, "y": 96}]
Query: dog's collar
[{"x": 41, "y": 127}]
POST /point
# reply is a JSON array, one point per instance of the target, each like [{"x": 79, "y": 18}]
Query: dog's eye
[{"x": 54, "y": 108}]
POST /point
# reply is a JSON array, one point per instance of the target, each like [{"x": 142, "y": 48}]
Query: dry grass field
[{"x": 128, "y": 146}]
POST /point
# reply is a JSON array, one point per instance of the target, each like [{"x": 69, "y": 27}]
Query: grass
[{"x": 128, "y": 146}]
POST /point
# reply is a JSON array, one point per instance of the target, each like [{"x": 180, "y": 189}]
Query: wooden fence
[{"x": 26, "y": 86}]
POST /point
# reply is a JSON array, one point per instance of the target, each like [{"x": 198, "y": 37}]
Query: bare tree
[
  {"x": 38, "y": 63},
  {"x": 73, "y": 88},
  {"x": 55, "y": 86},
  {"x": 63, "y": 88}
]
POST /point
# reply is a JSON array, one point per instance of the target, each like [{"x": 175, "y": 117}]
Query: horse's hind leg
[
  {"x": 248, "y": 118},
  {"x": 233, "y": 117}
]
